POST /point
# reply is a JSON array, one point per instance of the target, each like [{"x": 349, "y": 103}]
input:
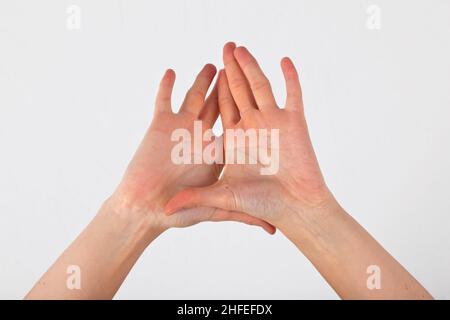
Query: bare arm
[
  {"x": 103, "y": 255},
  {"x": 348, "y": 257}
]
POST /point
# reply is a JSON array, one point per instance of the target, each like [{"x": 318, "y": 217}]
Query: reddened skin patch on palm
[{"x": 179, "y": 201}]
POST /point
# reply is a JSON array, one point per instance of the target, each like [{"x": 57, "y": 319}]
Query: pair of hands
[
  {"x": 180, "y": 195},
  {"x": 156, "y": 193}
]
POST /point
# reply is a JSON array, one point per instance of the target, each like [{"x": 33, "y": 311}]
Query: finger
[
  {"x": 164, "y": 95},
  {"x": 225, "y": 215},
  {"x": 210, "y": 110},
  {"x": 214, "y": 196},
  {"x": 228, "y": 109},
  {"x": 293, "y": 89},
  {"x": 195, "y": 97},
  {"x": 259, "y": 83},
  {"x": 237, "y": 81}
]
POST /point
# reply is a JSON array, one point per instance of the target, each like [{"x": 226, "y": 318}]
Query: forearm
[
  {"x": 104, "y": 253},
  {"x": 342, "y": 251}
]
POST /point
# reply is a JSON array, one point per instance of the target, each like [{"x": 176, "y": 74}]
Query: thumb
[{"x": 218, "y": 195}]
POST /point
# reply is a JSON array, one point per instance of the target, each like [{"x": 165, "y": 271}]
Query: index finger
[
  {"x": 260, "y": 85},
  {"x": 237, "y": 81}
]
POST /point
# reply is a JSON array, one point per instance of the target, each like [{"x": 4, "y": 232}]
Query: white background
[{"x": 75, "y": 104}]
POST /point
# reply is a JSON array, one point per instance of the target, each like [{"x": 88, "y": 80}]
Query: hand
[
  {"x": 152, "y": 178},
  {"x": 133, "y": 217},
  {"x": 246, "y": 102}
]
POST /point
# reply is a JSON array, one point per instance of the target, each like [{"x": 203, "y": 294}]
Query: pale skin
[{"x": 156, "y": 194}]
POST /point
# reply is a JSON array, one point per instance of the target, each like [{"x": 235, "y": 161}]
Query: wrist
[
  {"x": 138, "y": 223},
  {"x": 310, "y": 219}
]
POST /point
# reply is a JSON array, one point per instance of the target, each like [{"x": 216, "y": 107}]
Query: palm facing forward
[
  {"x": 246, "y": 102},
  {"x": 152, "y": 177}
]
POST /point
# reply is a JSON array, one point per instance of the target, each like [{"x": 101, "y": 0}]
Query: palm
[
  {"x": 298, "y": 168},
  {"x": 152, "y": 177},
  {"x": 247, "y": 102},
  {"x": 153, "y": 170}
]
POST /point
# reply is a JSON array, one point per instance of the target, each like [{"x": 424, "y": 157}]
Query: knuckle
[
  {"x": 196, "y": 94},
  {"x": 260, "y": 84},
  {"x": 247, "y": 110},
  {"x": 237, "y": 84},
  {"x": 225, "y": 100}
]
